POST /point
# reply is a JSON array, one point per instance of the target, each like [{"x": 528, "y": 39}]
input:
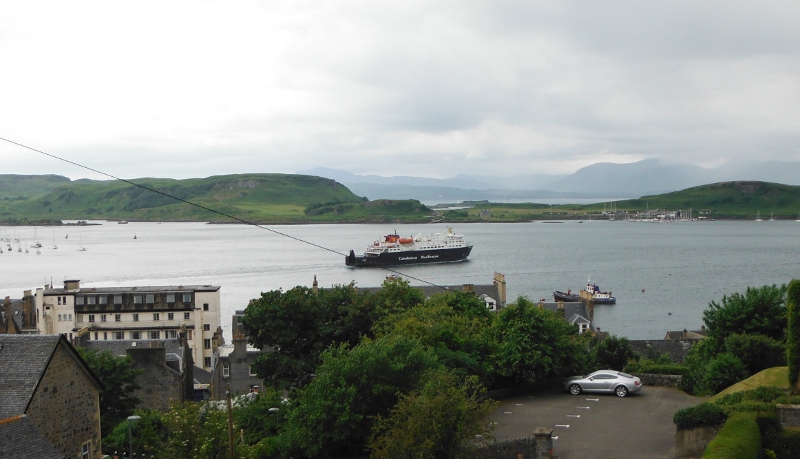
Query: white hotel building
[{"x": 133, "y": 313}]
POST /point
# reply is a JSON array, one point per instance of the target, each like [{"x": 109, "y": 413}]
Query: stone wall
[
  {"x": 160, "y": 384},
  {"x": 691, "y": 443},
  {"x": 675, "y": 349},
  {"x": 66, "y": 405},
  {"x": 788, "y": 415},
  {"x": 509, "y": 449}
]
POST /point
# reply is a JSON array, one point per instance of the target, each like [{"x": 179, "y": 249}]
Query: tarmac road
[{"x": 597, "y": 425}]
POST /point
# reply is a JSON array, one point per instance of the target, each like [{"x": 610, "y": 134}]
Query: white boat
[{"x": 758, "y": 216}]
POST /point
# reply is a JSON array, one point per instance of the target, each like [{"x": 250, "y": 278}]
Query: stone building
[
  {"x": 233, "y": 366},
  {"x": 133, "y": 313},
  {"x": 44, "y": 378},
  {"x": 18, "y": 317}
]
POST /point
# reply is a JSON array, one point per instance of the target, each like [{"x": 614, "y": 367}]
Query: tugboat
[
  {"x": 590, "y": 291},
  {"x": 396, "y": 250}
]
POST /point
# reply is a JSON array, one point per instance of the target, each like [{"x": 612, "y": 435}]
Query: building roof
[
  {"x": 20, "y": 439},
  {"x": 119, "y": 347},
  {"x": 479, "y": 290},
  {"x": 146, "y": 289},
  {"x": 16, "y": 314}
]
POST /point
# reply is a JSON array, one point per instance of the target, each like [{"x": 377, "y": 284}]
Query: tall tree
[
  {"x": 438, "y": 421},
  {"x": 794, "y": 335},
  {"x": 613, "y": 353},
  {"x": 759, "y": 310},
  {"x": 533, "y": 344},
  {"x": 117, "y": 401}
]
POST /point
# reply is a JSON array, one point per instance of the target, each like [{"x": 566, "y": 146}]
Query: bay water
[{"x": 663, "y": 275}]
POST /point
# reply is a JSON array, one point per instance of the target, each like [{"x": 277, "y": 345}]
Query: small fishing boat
[{"x": 590, "y": 291}]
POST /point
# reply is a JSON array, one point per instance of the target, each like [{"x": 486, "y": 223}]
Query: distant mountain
[
  {"x": 601, "y": 180},
  {"x": 18, "y": 187}
]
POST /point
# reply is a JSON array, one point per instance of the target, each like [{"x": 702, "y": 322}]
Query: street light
[{"x": 131, "y": 419}]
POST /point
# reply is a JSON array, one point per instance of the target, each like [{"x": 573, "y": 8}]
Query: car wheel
[
  {"x": 621, "y": 391},
  {"x": 574, "y": 389}
]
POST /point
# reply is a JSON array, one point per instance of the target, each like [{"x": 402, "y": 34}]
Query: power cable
[{"x": 223, "y": 214}]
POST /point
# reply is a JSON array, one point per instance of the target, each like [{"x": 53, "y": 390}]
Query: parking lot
[{"x": 597, "y": 425}]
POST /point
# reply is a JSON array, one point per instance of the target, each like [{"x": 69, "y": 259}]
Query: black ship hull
[{"x": 409, "y": 257}]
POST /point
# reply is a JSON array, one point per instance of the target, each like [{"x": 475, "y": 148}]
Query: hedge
[
  {"x": 704, "y": 414},
  {"x": 640, "y": 367},
  {"x": 785, "y": 443},
  {"x": 739, "y": 438}
]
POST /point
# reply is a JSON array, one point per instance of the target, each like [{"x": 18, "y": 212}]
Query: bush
[
  {"x": 740, "y": 437},
  {"x": 757, "y": 352},
  {"x": 613, "y": 353},
  {"x": 793, "y": 333},
  {"x": 725, "y": 370},
  {"x": 760, "y": 394},
  {"x": 751, "y": 406},
  {"x": 648, "y": 366},
  {"x": 784, "y": 443},
  {"x": 704, "y": 414}
]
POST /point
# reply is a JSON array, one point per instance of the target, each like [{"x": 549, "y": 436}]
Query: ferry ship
[{"x": 429, "y": 248}]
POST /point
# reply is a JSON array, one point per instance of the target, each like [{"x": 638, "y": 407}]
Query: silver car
[{"x": 604, "y": 381}]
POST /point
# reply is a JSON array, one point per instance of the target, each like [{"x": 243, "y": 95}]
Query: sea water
[{"x": 663, "y": 275}]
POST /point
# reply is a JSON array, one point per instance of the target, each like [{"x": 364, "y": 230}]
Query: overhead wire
[{"x": 215, "y": 211}]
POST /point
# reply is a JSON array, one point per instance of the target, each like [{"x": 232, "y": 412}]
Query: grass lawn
[{"x": 777, "y": 377}]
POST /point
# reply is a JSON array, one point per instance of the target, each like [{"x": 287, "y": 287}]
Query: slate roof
[
  {"x": 119, "y": 347},
  {"x": 144, "y": 289},
  {"x": 20, "y": 439},
  {"x": 23, "y": 359}
]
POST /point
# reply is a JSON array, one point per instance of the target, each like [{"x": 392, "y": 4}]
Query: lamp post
[{"x": 131, "y": 419}]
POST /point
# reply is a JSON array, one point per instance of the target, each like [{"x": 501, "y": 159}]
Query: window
[
  {"x": 252, "y": 371},
  {"x": 91, "y": 318},
  {"x": 80, "y": 318},
  {"x": 91, "y": 299},
  {"x": 136, "y": 335},
  {"x": 170, "y": 298},
  {"x": 186, "y": 316},
  {"x": 207, "y": 362},
  {"x": 188, "y": 334},
  {"x": 105, "y": 336},
  {"x": 102, "y": 317},
  {"x": 59, "y": 317},
  {"x": 59, "y": 300},
  {"x": 206, "y": 343},
  {"x": 86, "y": 450},
  {"x": 117, "y": 299},
  {"x": 172, "y": 334},
  {"x": 137, "y": 299},
  {"x": 64, "y": 300},
  {"x": 70, "y": 317},
  {"x": 155, "y": 335},
  {"x": 135, "y": 317},
  {"x": 170, "y": 316},
  {"x": 102, "y": 300},
  {"x": 79, "y": 300},
  {"x": 119, "y": 335},
  {"x": 207, "y": 327},
  {"x": 95, "y": 336},
  {"x": 156, "y": 316},
  {"x": 226, "y": 369},
  {"x": 117, "y": 317},
  {"x": 205, "y": 306},
  {"x": 150, "y": 298},
  {"x": 187, "y": 297}
]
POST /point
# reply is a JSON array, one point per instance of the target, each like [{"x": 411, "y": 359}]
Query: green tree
[
  {"x": 759, "y": 311},
  {"x": 199, "y": 431},
  {"x": 297, "y": 325},
  {"x": 723, "y": 371},
  {"x": 333, "y": 415},
  {"x": 613, "y": 353},
  {"x": 435, "y": 422},
  {"x": 257, "y": 421},
  {"x": 532, "y": 344},
  {"x": 793, "y": 335},
  {"x": 117, "y": 401},
  {"x": 149, "y": 435},
  {"x": 452, "y": 324},
  {"x": 757, "y": 352}
]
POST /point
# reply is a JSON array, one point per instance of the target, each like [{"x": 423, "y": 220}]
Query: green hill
[
  {"x": 727, "y": 200},
  {"x": 267, "y": 198},
  {"x": 21, "y": 187}
]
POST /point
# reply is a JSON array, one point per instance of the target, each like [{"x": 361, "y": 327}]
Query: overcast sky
[{"x": 425, "y": 88}]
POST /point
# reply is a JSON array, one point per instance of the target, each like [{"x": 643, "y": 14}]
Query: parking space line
[
  {"x": 566, "y": 426},
  {"x": 582, "y": 407},
  {"x": 573, "y": 415},
  {"x": 592, "y": 399}
]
